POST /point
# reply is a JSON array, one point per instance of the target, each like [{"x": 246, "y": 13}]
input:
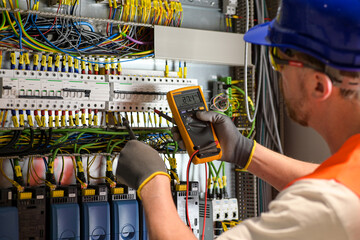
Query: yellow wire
[
  {"x": 47, "y": 183},
  {"x": 13, "y": 28},
  {"x": 83, "y": 185},
  {"x": 17, "y": 185},
  {"x": 175, "y": 175},
  {"x": 106, "y": 178}
]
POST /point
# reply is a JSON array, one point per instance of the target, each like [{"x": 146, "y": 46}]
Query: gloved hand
[
  {"x": 236, "y": 148},
  {"x": 138, "y": 164}
]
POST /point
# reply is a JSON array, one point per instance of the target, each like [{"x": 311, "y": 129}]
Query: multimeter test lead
[
  {"x": 161, "y": 114},
  {"x": 127, "y": 125},
  {"x": 170, "y": 119}
]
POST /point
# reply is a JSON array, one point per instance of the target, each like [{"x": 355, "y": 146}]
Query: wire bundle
[
  {"x": 81, "y": 145},
  {"x": 49, "y": 142},
  {"x": 220, "y": 102},
  {"x": 79, "y": 38}
]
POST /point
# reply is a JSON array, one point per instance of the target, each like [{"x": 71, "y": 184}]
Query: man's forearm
[
  {"x": 162, "y": 219},
  {"x": 277, "y": 169}
]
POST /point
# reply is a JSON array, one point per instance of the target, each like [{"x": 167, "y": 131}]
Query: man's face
[{"x": 292, "y": 88}]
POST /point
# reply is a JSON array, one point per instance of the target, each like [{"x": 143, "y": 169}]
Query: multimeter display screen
[{"x": 187, "y": 99}]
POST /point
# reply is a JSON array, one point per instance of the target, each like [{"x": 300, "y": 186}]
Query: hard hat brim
[{"x": 258, "y": 34}]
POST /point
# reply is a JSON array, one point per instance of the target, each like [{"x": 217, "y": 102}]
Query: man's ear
[{"x": 321, "y": 87}]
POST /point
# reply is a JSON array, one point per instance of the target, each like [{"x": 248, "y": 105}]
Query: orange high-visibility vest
[{"x": 343, "y": 166}]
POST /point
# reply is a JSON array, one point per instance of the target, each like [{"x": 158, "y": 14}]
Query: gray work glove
[
  {"x": 236, "y": 148},
  {"x": 138, "y": 164}
]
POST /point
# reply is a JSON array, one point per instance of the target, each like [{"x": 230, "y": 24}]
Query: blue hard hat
[{"x": 328, "y": 30}]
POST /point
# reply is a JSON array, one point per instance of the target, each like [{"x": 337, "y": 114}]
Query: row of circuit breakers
[
  {"x": 72, "y": 91},
  {"x": 97, "y": 213}
]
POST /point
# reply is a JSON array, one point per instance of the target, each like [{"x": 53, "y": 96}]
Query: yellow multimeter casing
[{"x": 196, "y": 134}]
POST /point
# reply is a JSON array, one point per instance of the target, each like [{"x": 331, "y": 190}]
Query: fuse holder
[
  {"x": 25, "y": 195},
  {"x": 57, "y": 193},
  {"x": 88, "y": 192},
  {"x": 180, "y": 187},
  {"x": 118, "y": 190}
]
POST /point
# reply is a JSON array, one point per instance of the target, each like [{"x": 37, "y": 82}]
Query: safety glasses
[{"x": 277, "y": 62}]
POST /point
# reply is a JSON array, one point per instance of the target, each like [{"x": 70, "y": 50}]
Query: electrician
[{"x": 315, "y": 46}]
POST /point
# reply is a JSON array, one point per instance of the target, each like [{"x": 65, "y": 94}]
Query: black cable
[
  {"x": 12, "y": 142},
  {"x": 12, "y": 165},
  {"x": 25, "y": 151}
]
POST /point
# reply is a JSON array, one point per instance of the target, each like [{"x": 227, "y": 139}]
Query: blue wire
[
  {"x": 60, "y": 26},
  {"x": 111, "y": 25},
  {"x": 20, "y": 32},
  {"x": 80, "y": 23},
  {"x": 8, "y": 37},
  {"x": 129, "y": 60}
]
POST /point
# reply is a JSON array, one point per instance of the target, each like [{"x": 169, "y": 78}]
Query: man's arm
[
  {"x": 274, "y": 168},
  {"x": 161, "y": 216},
  {"x": 140, "y": 167},
  {"x": 277, "y": 169}
]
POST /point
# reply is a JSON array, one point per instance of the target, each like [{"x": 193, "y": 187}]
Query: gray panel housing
[{"x": 199, "y": 46}]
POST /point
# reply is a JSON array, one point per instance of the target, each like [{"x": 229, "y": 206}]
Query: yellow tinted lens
[{"x": 274, "y": 65}]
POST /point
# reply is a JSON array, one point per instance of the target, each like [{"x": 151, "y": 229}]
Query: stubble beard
[{"x": 295, "y": 108}]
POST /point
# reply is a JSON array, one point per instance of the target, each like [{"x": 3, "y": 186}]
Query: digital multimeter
[{"x": 196, "y": 134}]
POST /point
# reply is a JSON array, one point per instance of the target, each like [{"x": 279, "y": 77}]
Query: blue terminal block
[
  {"x": 125, "y": 220},
  {"x": 9, "y": 223},
  {"x": 9, "y": 216},
  {"x": 95, "y": 220},
  {"x": 64, "y": 213},
  {"x": 95, "y": 214},
  {"x": 65, "y": 221}
]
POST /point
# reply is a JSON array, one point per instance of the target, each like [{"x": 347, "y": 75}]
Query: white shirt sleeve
[{"x": 309, "y": 209}]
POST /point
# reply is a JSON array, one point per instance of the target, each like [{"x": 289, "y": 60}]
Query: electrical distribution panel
[{"x": 61, "y": 64}]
